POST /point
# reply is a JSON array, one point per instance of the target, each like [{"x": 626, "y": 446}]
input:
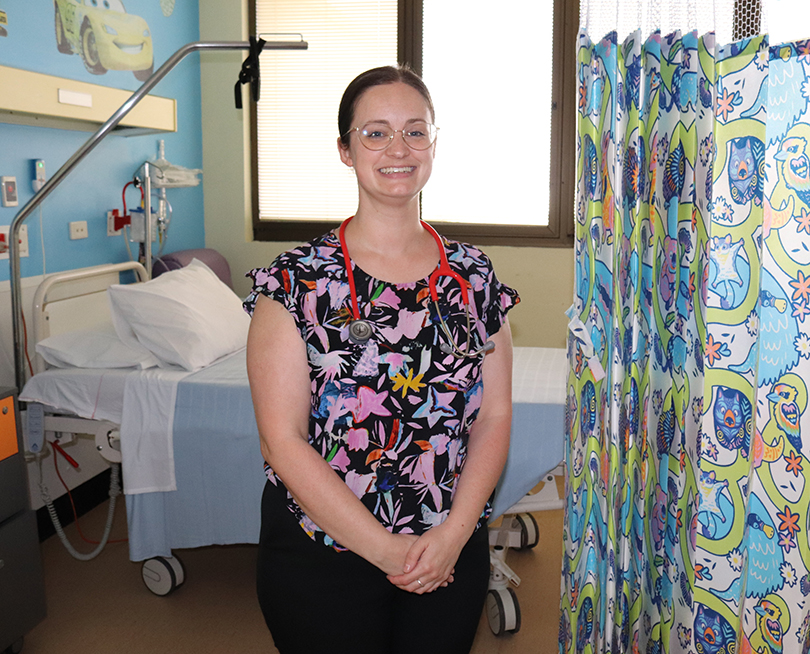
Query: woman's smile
[{"x": 396, "y": 170}]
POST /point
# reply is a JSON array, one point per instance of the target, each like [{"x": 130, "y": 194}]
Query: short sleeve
[
  {"x": 277, "y": 283},
  {"x": 501, "y": 299}
]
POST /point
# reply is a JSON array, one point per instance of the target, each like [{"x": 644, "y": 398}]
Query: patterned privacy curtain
[{"x": 687, "y": 516}]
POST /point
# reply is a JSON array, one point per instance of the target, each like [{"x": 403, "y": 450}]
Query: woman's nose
[{"x": 398, "y": 146}]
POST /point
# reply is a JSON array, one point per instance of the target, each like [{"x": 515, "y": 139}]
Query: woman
[{"x": 373, "y": 540}]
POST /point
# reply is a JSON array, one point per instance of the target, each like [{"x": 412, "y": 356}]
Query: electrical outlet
[
  {"x": 78, "y": 229},
  {"x": 23, "y": 240},
  {"x": 111, "y": 231}
]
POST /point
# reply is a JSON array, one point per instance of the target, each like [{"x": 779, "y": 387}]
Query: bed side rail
[{"x": 62, "y": 282}]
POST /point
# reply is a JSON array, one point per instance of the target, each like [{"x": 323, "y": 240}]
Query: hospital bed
[{"x": 194, "y": 437}]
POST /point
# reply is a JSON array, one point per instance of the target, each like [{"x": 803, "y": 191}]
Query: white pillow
[
  {"x": 185, "y": 317},
  {"x": 95, "y": 348}
]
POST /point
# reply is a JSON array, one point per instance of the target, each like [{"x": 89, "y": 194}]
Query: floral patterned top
[{"x": 392, "y": 416}]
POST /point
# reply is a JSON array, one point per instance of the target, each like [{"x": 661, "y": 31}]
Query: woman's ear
[{"x": 345, "y": 155}]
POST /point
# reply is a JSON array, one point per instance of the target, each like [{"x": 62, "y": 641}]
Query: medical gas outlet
[
  {"x": 116, "y": 222},
  {"x": 22, "y": 240}
]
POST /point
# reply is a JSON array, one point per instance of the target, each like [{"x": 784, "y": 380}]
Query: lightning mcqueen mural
[{"x": 105, "y": 35}]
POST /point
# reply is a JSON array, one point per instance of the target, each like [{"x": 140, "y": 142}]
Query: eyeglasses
[{"x": 419, "y": 135}]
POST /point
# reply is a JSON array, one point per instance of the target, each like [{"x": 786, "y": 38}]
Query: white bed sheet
[
  {"x": 539, "y": 375},
  {"x": 147, "y": 431},
  {"x": 140, "y": 401},
  {"x": 97, "y": 394}
]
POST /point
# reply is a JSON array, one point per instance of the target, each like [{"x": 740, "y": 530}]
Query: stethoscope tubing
[{"x": 363, "y": 330}]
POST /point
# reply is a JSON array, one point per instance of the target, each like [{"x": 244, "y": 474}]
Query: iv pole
[{"x": 81, "y": 153}]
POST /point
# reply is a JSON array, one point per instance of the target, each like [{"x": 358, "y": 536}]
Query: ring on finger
[{"x": 419, "y": 581}]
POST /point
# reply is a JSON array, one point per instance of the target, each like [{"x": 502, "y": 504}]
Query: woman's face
[{"x": 397, "y": 173}]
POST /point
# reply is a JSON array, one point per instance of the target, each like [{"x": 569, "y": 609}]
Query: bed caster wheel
[
  {"x": 163, "y": 574},
  {"x": 503, "y": 611},
  {"x": 529, "y": 533}
]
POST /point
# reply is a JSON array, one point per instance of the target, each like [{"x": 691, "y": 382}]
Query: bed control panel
[{"x": 34, "y": 431}]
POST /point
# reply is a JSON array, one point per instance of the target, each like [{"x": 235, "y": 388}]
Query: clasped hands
[{"x": 425, "y": 562}]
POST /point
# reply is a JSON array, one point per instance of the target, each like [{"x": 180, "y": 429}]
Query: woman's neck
[
  {"x": 386, "y": 234},
  {"x": 391, "y": 247}
]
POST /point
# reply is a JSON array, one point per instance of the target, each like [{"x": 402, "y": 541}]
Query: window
[{"x": 469, "y": 59}]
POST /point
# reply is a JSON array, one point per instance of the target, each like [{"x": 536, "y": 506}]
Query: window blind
[
  {"x": 300, "y": 173},
  {"x": 494, "y": 110}
]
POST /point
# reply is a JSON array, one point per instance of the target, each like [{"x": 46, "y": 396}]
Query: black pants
[{"x": 316, "y": 600}]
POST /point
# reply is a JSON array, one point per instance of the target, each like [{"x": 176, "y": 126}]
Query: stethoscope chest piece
[{"x": 359, "y": 331}]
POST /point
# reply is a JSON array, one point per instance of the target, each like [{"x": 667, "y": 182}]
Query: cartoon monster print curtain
[{"x": 686, "y": 512}]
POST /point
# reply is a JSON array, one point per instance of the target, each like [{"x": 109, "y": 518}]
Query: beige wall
[{"x": 543, "y": 276}]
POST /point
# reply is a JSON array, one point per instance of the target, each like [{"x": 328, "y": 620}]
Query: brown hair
[{"x": 376, "y": 77}]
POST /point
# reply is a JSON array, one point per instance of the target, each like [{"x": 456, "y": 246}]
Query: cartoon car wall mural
[{"x": 105, "y": 35}]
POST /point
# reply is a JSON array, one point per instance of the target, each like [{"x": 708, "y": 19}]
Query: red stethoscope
[{"x": 360, "y": 330}]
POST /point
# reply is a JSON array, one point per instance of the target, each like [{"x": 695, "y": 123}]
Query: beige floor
[{"x": 102, "y": 606}]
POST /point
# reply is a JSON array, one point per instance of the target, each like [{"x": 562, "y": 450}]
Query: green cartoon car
[{"x": 105, "y": 35}]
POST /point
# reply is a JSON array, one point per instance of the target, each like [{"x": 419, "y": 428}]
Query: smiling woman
[{"x": 381, "y": 389}]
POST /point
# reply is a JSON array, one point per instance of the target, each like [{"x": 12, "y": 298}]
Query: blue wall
[{"x": 94, "y": 187}]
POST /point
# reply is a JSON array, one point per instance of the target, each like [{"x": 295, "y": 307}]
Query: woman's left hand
[{"x": 430, "y": 562}]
